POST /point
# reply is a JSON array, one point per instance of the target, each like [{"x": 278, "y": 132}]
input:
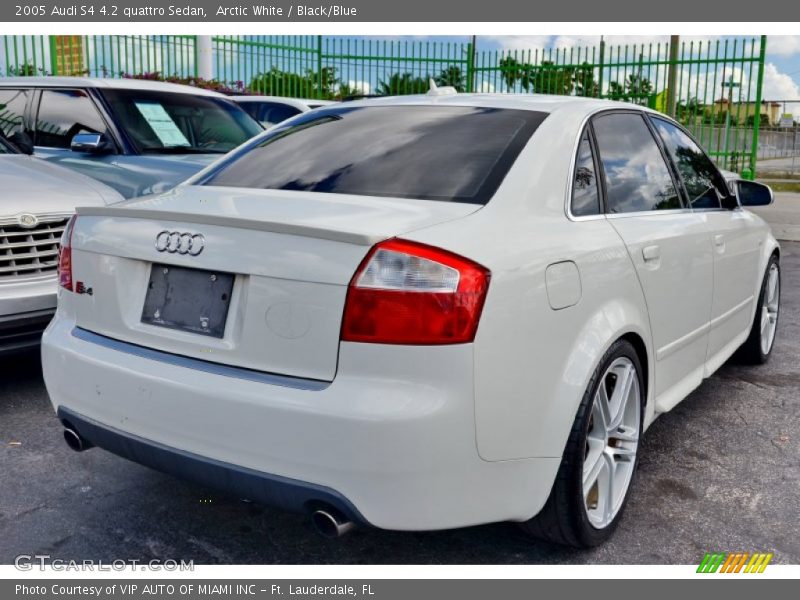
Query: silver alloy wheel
[
  {"x": 769, "y": 308},
  {"x": 612, "y": 442}
]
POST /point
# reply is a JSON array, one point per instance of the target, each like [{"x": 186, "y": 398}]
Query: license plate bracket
[{"x": 192, "y": 300}]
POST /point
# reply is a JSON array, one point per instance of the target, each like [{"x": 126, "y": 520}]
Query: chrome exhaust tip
[
  {"x": 75, "y": 441},
  {"x": 329, "y": 524}
]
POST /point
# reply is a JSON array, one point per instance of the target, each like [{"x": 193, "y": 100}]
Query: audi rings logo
[{"x": 176, "y": 242}]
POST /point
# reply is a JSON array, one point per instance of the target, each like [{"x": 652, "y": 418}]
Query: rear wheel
[
  {"x": 594, "y": 479},
  {"x": 758, "y": 347}
]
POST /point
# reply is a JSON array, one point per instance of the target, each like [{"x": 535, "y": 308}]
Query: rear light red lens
[
  {"x": 65, "y": 256},
  {"x": 410, "y": 293}
]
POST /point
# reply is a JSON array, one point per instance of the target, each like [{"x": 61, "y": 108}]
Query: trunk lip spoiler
[{"x": 336, "y": 235}]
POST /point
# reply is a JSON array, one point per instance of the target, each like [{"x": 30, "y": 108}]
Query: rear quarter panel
[{"x": 533, "y": 363}]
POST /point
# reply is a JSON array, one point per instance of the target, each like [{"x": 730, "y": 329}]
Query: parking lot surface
[{"x": 718, "y": 473}]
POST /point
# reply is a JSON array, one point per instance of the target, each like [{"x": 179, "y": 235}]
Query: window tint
[
  {"x": 63, "y": 114},
  {"x": 585, "y": 197},
  {"x": 449, "y": 153},
  {"x": 12, "y": 108},
  {"x": 700, "y": 177},
  {"x": 637, "y": 178},
  {"x": 269, "y": 113}
]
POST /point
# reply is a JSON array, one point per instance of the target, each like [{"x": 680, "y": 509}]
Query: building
[{"x": 741, "y": 111}]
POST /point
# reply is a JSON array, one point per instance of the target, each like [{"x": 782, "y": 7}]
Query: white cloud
[
  {"x": 363, "y": 87},
  {"x": 538, "y": 42},
  {"x": 783, "y": 45},
  {"x": 779, "y": 86}
]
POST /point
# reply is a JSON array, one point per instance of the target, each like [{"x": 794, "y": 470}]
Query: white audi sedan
[{"x": 416, "y": 313}]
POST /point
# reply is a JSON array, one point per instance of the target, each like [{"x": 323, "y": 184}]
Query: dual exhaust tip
[
  {"x": 75, "y": 441},
  {"x": 328, "y": 522}
]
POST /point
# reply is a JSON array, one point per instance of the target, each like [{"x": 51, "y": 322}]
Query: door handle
[
  {"x": 719, "y": 242},
  {"x": 651, "y": 253}
]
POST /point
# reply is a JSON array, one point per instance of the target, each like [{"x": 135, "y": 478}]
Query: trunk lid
[{"x": 291, "y": 254}]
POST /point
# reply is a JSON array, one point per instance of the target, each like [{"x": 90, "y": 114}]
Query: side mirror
[
  {"x": 22, "y": 141},
  {"x": 751, "y": 193},
  {"x": 92, "y": 143}
]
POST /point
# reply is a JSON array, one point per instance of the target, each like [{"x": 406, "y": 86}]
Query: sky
[{"x": 781, "y": 74}]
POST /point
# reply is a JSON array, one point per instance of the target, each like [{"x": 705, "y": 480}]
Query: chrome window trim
[{"x": 608, "y": 215}]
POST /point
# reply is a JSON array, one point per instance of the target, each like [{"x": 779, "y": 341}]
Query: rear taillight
[
  {"x": 65, "y": 256},
  {"x": 410, "y": 293}
]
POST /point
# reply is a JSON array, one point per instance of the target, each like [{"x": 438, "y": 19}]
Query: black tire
[
  {"x": 751, "y": 351},
  {"x": 563, "y": 520}
]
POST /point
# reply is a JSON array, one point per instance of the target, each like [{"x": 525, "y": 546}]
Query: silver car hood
[{"x": 31, "y": 185}]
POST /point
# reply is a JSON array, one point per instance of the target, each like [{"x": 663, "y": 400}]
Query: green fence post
[
  {"x": 600, "y": 71},
  {"x": 53, "y": 56},
  {"x": 471, "y": 66},
  {"x": 196, "y": 56},
  {"x": 757, "y": 112},
  {"x": 320, "y": 94}
]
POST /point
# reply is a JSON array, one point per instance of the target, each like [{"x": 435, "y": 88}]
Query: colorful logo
[{"x": 734, "y": 562}]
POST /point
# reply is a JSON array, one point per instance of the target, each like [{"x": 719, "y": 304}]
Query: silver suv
[
  {"x": 37, "y": 200},
  {"x": 139, "y": 137}
]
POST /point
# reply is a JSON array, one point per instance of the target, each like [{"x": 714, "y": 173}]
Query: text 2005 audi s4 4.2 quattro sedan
[{"x": 416, "y": 313}]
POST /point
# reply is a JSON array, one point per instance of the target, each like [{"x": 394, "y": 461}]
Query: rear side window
[
  {"x": 269, "y": 113},
  {"x": 63, "y": 114},
  {"x": 637, "y": 178},
  {"x": 585, "y": 194},
  {"x": 12, "y": 109},
  {"x": 449, "y": 153},
  {"x": 704, "y": 184}
]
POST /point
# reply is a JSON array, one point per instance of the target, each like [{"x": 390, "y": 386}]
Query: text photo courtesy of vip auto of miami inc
[{"x": 271, "y": 297}]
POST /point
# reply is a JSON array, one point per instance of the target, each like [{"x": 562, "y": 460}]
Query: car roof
[
  {"x": 535, "y": 102},
  {"x": 107, "y": 83},
  {"x": 297, "y": 102}
]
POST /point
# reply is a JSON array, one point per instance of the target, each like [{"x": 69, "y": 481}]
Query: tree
[
  {"x": 585, "y": 84},
  {"x": 685, "y": 110},
  {"x": 276, "y": 82},
  {"x": 638, "y": 88},
  {"x": 616, "y": 91},
  {"x": 325, "y": 85},
  {"x": 511, "y": 71},
  {"x": 452, "y": 76},
  {"x": 550, "y": 78},
  {"x": 399, "y": 84}
]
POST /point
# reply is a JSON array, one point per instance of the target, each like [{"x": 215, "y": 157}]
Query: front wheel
[
  {"x": 758, "y": 347},
  {"x": 594, "y": 479}
]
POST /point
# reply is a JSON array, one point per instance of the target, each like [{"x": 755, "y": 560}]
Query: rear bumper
[
  {"x": 281, "y": 492},
  {"x": 390, "y": 442}
]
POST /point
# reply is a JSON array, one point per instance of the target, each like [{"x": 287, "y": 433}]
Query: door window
[
  {"x": 63, "y": 114},
  {"x": 703, "y": 182},
  {"x": 585, "y": 195},
  {"x": 637, "y": 178},
  {"x": 269, "y": 113},
  {"x": 12, "y": 109}
]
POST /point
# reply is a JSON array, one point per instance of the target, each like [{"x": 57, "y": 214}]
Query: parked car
[
  {"x": 453, "y": 310},
  {"x": 139, "y": 137},
  {"x": 271, "y": 110},
  {"x": 37, "y": 200}
]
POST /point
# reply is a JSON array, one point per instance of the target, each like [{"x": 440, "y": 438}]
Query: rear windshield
[{"x": 458, "y": 154}]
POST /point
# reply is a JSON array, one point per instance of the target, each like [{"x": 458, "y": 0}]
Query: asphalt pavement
[{"x": 720, "y": 472}]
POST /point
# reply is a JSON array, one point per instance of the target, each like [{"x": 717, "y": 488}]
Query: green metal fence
[
  {"x": 713, "y": 87},
  {"x": 98, "y": 55}
]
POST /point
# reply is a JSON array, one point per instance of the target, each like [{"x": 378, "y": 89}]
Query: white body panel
[{"x": 416, "y": 437}]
